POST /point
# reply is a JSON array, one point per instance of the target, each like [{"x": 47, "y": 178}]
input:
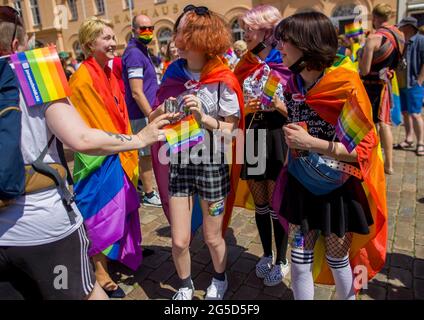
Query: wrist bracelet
[{"x": 218, "y": 123}]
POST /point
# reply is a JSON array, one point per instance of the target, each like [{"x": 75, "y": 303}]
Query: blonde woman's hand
[{"x": 153, "y": 131}]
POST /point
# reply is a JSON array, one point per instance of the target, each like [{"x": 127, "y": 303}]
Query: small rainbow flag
[
  {"x": 269, "y": 90},
  {"x": 352, "y": 125},
  {"x": 353, "y": 29},
  {"x": 184, "y": 134},
  {"x": 40, "y": 75}
]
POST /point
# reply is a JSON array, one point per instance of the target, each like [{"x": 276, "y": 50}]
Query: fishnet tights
[
  {"x": 335, "y": 247},
  {"x": 261, "y": 191}
]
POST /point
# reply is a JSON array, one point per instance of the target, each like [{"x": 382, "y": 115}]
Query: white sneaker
[
  {"x": 183, "y": 294},
  {"x": 263, "y": 267},
  {"x": 154, "y": 201},
  {"x": 277, "y": 274},
  {"x": 217, "y": 289}
]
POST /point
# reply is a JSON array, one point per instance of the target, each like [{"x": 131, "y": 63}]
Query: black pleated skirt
[{"x": 343, "y": 210}]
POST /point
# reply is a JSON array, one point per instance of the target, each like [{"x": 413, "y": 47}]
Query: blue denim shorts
[{"x": 412, "y": 99}]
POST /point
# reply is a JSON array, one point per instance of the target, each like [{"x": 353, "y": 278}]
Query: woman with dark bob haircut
[{"x": 331, "y": 195}]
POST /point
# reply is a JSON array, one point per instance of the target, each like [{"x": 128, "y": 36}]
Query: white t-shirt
[
  {"x": 38, "y": 218},
  {"x": 208, "y": 95}
]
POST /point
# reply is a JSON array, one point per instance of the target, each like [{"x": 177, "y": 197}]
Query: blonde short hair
[
  {"x": 90, "y": 30},
  {"x": 383, "y": 11}
]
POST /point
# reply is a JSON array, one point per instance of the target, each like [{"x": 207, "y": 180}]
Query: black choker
[
  {"x": 298, "y": 66},
  {"x": 259, "y": 47}
]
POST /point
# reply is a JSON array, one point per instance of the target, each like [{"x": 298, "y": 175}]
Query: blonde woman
[{"x": 105, "y": 186}]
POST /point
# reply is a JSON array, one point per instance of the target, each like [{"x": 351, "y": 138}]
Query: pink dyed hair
[{"x": 263, "y": 16}]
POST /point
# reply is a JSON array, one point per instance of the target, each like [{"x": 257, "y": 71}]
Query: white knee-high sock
[
  {"x": 343, "y": 277},
  {"x": 301, "y": 274}
]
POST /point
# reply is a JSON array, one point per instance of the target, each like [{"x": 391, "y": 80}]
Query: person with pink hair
[{"x": 260, "y": 63}]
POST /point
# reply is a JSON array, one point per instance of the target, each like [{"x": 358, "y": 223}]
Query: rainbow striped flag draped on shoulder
[
  {"x": 247, "y": 66},
  {"x": 105, "y": 185},
  {"x": 341, "y": 100},
  {"x": 173, "y": 85}
]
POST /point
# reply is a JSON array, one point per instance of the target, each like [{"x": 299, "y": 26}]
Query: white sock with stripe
[
  {"x": 343, "y": 277},
  {"x": 301, "y": 274}
]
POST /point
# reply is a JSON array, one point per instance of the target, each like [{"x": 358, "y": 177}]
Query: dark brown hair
[{"x": 313, "y": 33}]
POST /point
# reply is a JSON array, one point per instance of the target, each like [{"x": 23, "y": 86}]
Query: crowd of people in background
[{"x": 318, "y": 99}]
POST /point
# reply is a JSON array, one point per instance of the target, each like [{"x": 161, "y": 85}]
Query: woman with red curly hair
[{"x": 204, "y": 86}]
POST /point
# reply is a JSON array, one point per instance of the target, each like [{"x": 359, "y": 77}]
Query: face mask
[{"x": 145, "y": 37}]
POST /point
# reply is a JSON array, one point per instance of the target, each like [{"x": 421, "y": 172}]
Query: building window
[
  {"x": 343, "y": 15},
  {"x": 77, "y": 48},
  {"x": 100, "y": 7},
  {"x": 164, "y": 36},
  {"x": 128, "y": 4},
  {"x": 237, "y": 31},
  {"x": 420, "y": 17},
  {"x": 72, "y": 5},
  {"x": 35, "y": 10},
  {"x": 18, "y": 5}
]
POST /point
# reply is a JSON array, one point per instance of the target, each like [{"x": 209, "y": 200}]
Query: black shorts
[
  {"x": 60, "y": 270},
  {"x": 210, "y": 181}
]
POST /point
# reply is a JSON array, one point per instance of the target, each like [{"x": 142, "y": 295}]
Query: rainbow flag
[
  {"x": 40, "y": 75},
  {"x": 353, "y": 29},
  {"x": 105, "y": 186},
  {"x": 270, "y": 88},
  {"x": 184, "y": 134}
]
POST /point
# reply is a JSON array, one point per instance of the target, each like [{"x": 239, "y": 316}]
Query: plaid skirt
[{"x": 210, "y": 181}]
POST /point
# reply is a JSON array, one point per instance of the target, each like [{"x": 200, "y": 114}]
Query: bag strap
[
  {"x": 396, "y": 40},
  {"x": 43, "y": 168},
  {"x": 9, "y": 109},
  {"x": 61, "y": 153},
  {"x": 219, "y": 93}
]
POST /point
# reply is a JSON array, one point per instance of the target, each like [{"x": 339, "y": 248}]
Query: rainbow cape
[
  {"x": 40, "y": 75},
  {"x": 340, "y": 99},
  {"x": 353, "y": 29},
  {"x": 184, "y": 134},
  {"x": 172, "y": 86},
  {"x": 105, "y": 185},
  {"x": 248, "y": 64}
]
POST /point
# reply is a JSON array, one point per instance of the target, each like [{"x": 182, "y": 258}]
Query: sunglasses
[
  {"x": 11, "y": 15},
  {"x": 144, "y": 28},
  {"x": 201, "y": 11}
]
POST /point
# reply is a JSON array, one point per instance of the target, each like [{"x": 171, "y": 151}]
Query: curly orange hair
[{"x": 207, "y": 33}]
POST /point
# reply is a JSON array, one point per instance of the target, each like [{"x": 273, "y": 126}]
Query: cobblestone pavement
[{"x": 401, "y": 278}]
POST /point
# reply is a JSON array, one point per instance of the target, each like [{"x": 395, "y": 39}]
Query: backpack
[
  {"x": 16, "y": 178},
  {"x": 12, "y": 169}
]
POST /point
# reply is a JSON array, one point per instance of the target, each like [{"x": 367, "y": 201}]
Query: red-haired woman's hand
[{"x": 194, "y": 105}]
